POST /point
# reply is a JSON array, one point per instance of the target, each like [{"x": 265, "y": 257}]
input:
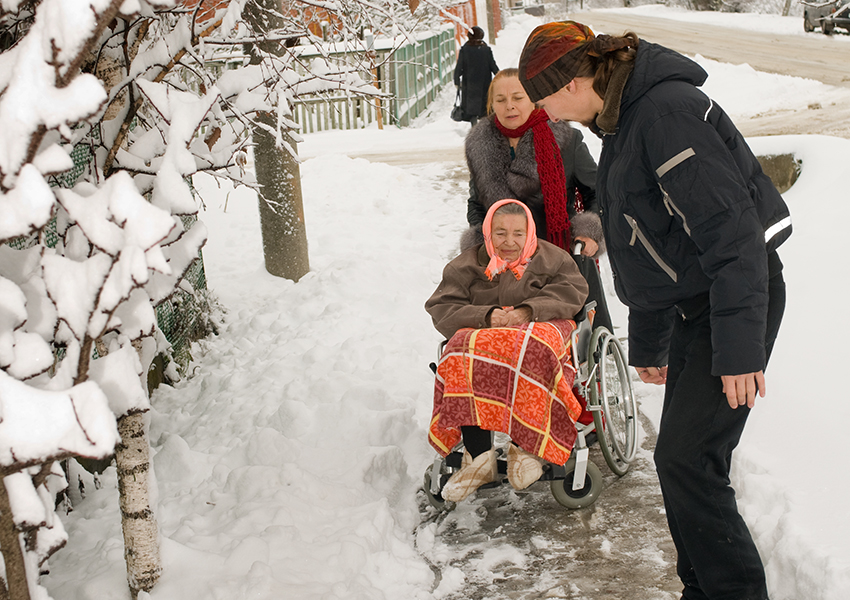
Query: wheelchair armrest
[
  {"x": 582, "y": 315},
  {"x": 580, "y": 336},
  {"x": 440, "y": 347}
]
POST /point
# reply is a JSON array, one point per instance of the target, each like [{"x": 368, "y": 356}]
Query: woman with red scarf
[{"x": 517, "y": 152}]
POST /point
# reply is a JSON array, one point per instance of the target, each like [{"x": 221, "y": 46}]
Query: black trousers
[
  {"x": 717, "y": 559},
  {"x": 476, "y": 440}
]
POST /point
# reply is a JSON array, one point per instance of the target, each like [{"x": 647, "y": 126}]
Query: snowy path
[
  {"x": 329, "y": 350},
  {"x": 524, "y": 545}
]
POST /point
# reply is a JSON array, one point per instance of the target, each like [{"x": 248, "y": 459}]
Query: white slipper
[
  {"x": 524, "y": 468},
  {"x": 471, "y": 476}
]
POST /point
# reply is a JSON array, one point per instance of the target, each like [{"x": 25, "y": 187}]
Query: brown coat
[{"x": 551, "y": 286}]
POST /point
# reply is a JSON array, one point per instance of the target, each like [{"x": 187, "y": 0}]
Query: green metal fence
[
  {"x": 411, "y": 77},
  {"x": 419, "y": 73}
]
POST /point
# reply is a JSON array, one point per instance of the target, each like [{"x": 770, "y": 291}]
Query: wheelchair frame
[{"x": 602, "y": 377}]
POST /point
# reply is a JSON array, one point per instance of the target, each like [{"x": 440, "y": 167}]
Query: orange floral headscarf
[{"x": 497, "y": 264}]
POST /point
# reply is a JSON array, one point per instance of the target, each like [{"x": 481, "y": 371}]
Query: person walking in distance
[{"x": 474, "y": 71}]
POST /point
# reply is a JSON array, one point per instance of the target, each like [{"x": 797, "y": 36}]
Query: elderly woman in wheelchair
[{"x": 506, "y": 308}]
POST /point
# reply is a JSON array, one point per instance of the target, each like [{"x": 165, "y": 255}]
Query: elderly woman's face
[
  {"x": 510, "y": 102},
  {"x": 508, "y": 233}
]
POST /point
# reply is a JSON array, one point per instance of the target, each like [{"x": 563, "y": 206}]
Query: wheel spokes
[{"x": 618, "y": 402}]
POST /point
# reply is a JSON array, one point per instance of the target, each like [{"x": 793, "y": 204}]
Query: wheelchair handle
[{"x": 578, "y": 247}]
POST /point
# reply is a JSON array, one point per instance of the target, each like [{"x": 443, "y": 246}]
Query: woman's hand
[
  {"x": 656, "y": 375},
  {"x": 510, "y": 316},
  {"x": 519, "y": 316},
  {"x": 499, "y": 318},
  {"x": 742, "y": 389},
  {"x": 590, "y": 246}
]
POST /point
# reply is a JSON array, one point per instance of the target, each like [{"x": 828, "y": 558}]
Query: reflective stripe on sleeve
[
  {"x": 674, "y": 162},
  {"x": 710, "y": 106},
  {"x": 774, "y": 229}
]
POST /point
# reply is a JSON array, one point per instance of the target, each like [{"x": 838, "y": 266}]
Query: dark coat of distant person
[{"x": 474, "y": 71}]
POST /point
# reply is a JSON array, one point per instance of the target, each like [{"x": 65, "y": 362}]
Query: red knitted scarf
[{"x": 550, "y": 169}]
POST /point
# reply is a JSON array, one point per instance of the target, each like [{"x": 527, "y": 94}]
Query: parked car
[{"x": 826, "y": 15}]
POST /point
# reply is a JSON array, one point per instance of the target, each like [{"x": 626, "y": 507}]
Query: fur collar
[
  {"x": 606, "y": 121},
  {"x": 488, "y": 157}
]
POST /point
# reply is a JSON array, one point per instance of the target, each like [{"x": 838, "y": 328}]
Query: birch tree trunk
[
  {"x": 16, "y": 586},
  {"x": 141, "y": 537}
]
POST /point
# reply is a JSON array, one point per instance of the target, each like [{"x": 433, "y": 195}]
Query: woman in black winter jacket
[
  {"x": 473, "y": 73},
  {"x": 692, "y": 225}
]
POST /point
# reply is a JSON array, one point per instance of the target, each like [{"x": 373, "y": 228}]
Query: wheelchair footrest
[
  {"x": 454, "y": 460},
  {"x": 552, "y": 472}
]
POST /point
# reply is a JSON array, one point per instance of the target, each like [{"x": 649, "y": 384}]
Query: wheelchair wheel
[
  {"x": 436, "y": 500},
  {"x": 562, "y": 489},
  {"x": 616, "y": 423}
]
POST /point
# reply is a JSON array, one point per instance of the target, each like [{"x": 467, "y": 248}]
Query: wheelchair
[{"x": 602, "y": 378}]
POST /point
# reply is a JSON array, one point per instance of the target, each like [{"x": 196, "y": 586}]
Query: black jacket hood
[{"x": 655, "y": 64}]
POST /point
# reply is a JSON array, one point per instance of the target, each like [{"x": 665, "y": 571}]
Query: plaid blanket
[{"x": 516, "y": 380}]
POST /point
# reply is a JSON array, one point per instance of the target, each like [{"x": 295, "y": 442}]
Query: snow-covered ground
[{"x": 288, "y": 464}]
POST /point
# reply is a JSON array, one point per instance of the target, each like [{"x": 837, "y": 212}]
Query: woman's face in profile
[
  {"x": 577, "y": 101},
  {"x": 508, "y": 233},
  {"x": 510, "y": 102}
]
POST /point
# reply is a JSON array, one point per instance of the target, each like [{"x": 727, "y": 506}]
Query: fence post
[
  {"x": 420, "y": 81},
  {"x": 370, "y": 50},
  {"x": 394, "y": 86},
  {"x": 440, "y": 57},
  {"x": 404, "y": 117}
]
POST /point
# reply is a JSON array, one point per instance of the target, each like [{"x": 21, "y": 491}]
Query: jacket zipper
[
  {"x": 668, "y": 203},
  {"x": 637, "y": 234}
]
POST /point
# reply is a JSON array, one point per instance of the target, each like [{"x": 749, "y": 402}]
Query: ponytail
[{"x": 603, "y": 54}]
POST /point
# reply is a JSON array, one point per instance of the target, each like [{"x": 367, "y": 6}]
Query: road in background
[{"x": 814, "y": 56}]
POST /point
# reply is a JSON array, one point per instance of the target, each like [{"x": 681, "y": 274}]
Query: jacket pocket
[{"x": 638, "y": 235}]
